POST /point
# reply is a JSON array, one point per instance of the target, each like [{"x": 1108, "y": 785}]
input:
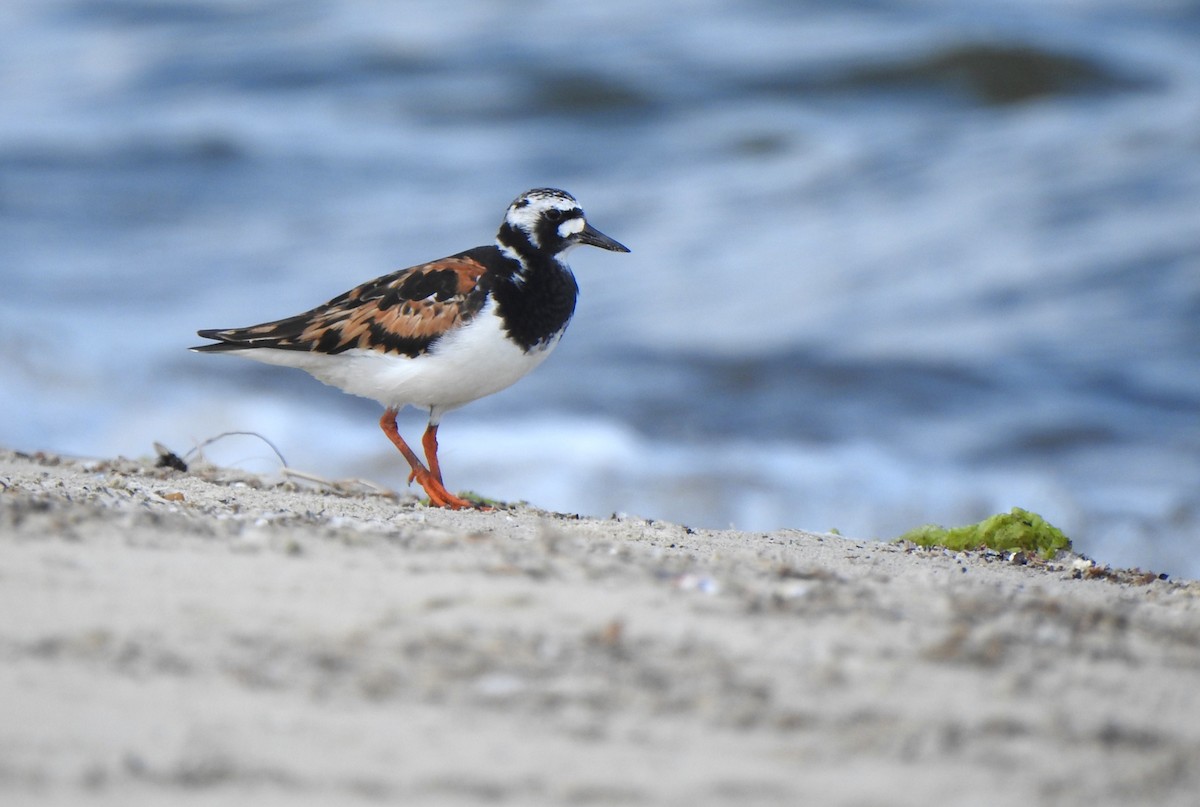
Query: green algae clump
[{"x": 1019, "y": 530}]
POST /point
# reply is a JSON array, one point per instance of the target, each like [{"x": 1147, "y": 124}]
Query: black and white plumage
[{"x": 441, "y": 334}]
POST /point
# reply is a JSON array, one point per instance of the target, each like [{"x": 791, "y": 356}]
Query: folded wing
[{"x": 401, "y": 313}]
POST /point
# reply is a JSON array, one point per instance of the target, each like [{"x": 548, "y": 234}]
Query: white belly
[{"x": 465, "y": 364}]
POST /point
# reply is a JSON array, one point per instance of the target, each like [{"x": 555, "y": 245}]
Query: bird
[{"x": 441, "y": 334}]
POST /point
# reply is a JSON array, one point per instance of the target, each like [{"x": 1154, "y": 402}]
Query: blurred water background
[{"x": 894, "y": 262}]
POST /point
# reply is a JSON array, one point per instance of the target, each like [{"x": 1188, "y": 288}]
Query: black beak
[{"x": 590, "y": 235}]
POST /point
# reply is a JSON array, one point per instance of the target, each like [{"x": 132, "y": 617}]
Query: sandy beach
[{"x": 212, "y": 638}]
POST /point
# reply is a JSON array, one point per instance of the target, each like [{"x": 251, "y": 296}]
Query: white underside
[{"x": 464, "y": 365}]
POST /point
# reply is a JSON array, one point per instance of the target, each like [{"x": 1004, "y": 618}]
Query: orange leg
[
  {"x": 429, "y": 440},
  {"x": 431, "y": 482}
]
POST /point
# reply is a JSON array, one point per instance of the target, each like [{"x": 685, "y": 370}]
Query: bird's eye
[{"x": 554, "y": 214}]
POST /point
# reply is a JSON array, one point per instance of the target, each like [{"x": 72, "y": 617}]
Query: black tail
[{"x": 224, "y": 342}]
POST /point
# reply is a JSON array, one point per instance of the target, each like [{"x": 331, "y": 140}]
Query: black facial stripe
[
  {"x": 515, "y": 239},
  {"x": 547, "y": 229}
]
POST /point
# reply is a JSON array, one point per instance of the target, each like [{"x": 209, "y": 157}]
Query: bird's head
[{"x": 550, "y": 221}]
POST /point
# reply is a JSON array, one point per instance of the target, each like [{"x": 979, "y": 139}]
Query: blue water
[{"x": 893, "y": 262}]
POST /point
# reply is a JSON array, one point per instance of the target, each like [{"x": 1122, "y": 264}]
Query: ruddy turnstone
[{"x": 441, "y": 334}]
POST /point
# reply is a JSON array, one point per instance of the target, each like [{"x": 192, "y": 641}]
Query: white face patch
[
  {"x": 524, "y": 218},
  {"x": 571, "y": 227}
]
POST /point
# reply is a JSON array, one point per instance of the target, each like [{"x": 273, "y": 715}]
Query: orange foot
[{"x": 438, "y": 495}]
